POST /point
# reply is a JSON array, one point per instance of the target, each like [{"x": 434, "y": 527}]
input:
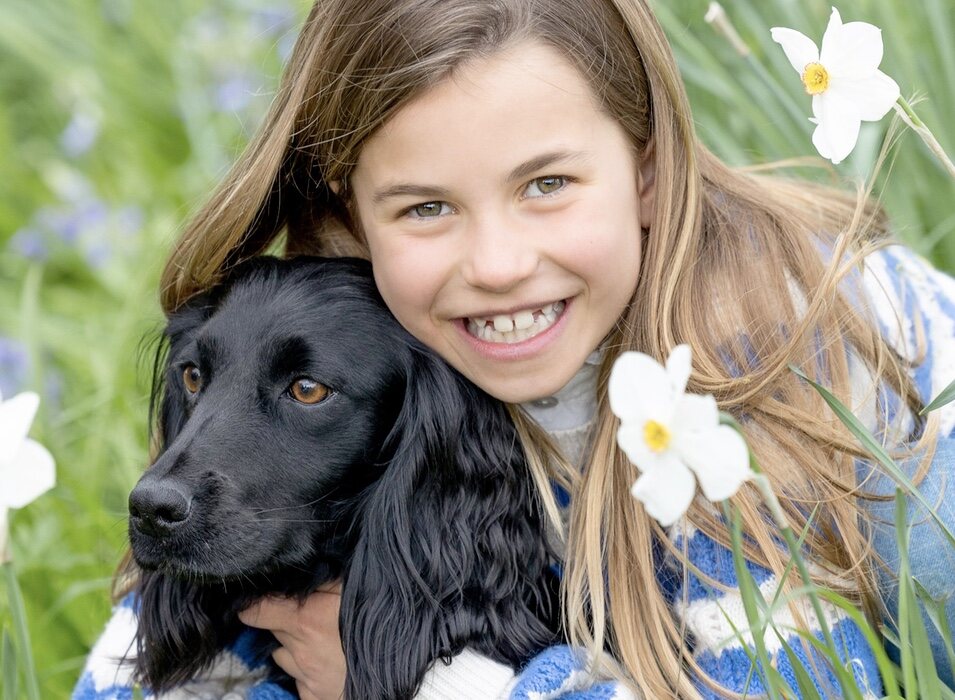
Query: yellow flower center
[
  {"x": 656, "y": 436},
  {"x": 816, "y": 78}
]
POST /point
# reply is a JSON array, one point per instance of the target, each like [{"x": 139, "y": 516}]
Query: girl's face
[{"x": 503, "y": 210}]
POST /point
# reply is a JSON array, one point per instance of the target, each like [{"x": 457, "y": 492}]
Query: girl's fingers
[
  {"x": 330, "y": 587},
  {"x": 271, "y": 613},
  {"x": 317, "y": 616},
  {"x": 284, "y": 660},
  {"x": 315, "y": 679}
]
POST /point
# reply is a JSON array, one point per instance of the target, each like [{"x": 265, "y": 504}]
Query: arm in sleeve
[
  {"x": 557, "y": 673},
  {"x": 711, "y": 615},
  {"x": 108, "y": 673}
]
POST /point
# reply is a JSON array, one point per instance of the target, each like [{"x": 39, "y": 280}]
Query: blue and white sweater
[{"x": 900, "y": 286}]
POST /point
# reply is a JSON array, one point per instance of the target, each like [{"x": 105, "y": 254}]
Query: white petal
[
  {"x": 874, "y": 96},
  {"x": 695, "y": 414},
  {"x": 719, "y": 459},
  {"x": 839, "y": 123},
  {"x": 679, "y": 364},
  {"x": 631, "y": 441},
  {"x": 666, "y": 492},
  {"x": 30, "y": 473},
  {"x": 799, "y": 48},
  {"x": 853, "y": 50},
  {"x": 832, "y": 30},
  {"x": 819, "y": 141},
  {"x": 639, "y": 387},
  {"x": 16, "y": 416}
]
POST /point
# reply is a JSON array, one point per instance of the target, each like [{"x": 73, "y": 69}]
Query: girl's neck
[{"x": 574, "y": 405}]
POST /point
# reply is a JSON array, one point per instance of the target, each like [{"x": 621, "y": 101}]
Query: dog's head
[
  {"x": 304, "y": 436},
  {"x": 278, "y": 394}
]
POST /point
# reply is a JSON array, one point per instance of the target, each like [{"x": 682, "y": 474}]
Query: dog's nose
[{"x": 156, "y": 508}]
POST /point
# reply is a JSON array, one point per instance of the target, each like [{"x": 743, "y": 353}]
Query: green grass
[{"x": 174, "y": 90}]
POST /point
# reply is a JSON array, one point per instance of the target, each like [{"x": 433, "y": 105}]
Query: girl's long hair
[{"x": 754, "y": 271}]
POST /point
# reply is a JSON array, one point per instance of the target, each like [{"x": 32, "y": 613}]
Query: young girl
[{"x": 525, "y": 178}]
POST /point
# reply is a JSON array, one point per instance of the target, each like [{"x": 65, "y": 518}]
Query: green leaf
[
  {"x": 753, "y": 604},
  {"x": 921, "y": 662},
  {"x": 935, "y": 609},
  {"x": 807, "y": 689},
  {"x": 875, "y": 449},
  {"x": 887, "y": 669},
  {"x": 791, "y": 564},
  {"x": 21, "y": 630},
  {"x": 8, "y": 667},
  {"x": 847, "y": 682},
  {"x": 946, "y": 397},
  {"x": 906, "y": 603}
]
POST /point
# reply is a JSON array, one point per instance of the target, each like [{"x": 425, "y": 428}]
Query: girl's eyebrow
[
  {"x": 520, "y": 172},
  {"x": 529, "y": 167}
]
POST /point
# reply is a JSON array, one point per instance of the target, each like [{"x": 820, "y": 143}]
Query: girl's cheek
[{"x": 407, "y": 271}]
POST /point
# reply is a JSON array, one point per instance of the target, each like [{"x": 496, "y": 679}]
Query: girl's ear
[{"x": 646, "y": 185}]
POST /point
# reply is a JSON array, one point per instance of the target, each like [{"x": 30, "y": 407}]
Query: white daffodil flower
[
  {"x": 674, "y": 438},
  {"x": 844, "y": 80},
  {"x": 26, "y": 467}
]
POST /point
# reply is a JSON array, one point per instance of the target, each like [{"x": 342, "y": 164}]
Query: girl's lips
[{"x": 520, "y": 350}]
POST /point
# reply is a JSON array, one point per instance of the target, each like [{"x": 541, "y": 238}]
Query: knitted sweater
[{"x": 900, "y": 285}]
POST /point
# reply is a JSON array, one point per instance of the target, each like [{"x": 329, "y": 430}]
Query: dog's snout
[{"x": 156, "y": 508}]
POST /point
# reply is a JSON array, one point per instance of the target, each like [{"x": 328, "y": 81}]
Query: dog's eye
[
  {"x": 192, "y": 378},
  {"x": 305, "y": 390}
]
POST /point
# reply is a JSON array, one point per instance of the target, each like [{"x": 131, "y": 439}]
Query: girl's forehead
[{"x": 517, "y": 100}]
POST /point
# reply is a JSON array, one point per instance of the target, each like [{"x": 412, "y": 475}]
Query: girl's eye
[
  {"x": 429, "y": 210},
  {"x": 307, "y": 391},
  {"x": 549, "y": 184},
  {"x": 192, "y": 378}
]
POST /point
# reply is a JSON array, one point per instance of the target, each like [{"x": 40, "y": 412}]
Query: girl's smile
[
  {"x": 510, "y": 328},
  {"x": 531, "y": 329},
  {"x": 503, "y": 211}
]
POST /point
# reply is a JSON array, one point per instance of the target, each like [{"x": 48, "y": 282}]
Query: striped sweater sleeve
[
  {"x": 914, "y": 307},
  {"x": 237, "y": 674},
  {"x": 713, "y": 616},
  {"x": 557, "y": 673}
]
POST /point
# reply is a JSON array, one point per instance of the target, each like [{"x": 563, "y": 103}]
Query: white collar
[{"x": 574, "y": 404}]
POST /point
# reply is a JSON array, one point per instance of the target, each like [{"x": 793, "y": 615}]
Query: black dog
[{"x": 305, "y": 436}]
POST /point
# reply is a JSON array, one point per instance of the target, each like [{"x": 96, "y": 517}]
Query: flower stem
[
  {"x": 717, "y": 18},
  {"x": 20, "y": 630},
  {"x": 909, "y": 116},
  {"x": 779, "y": 515},
  {"x": 762, "y": 483},
  {"x": 4, "y": 535}
]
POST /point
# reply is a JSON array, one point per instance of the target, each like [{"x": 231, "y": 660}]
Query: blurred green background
[{"x": 117, "y": 118}]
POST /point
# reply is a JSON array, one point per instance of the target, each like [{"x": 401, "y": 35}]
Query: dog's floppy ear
[{"x": 452, "y": 548}]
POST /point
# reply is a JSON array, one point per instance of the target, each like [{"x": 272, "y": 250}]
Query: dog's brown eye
[
  {"x": 192, "y": 378},
  {"x": 306, "y": 390}
]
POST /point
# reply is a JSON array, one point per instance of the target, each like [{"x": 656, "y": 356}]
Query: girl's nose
[{"x": 499, "y": 255}]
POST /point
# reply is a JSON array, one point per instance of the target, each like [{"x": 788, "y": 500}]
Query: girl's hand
[{"x": 311, "y": 650}]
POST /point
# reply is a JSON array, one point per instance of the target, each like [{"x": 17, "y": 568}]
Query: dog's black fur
[{"x": 406, "y": 481}]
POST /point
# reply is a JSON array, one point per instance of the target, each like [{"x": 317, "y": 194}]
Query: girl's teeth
[
  {"x": 513, "y": 328},
  {"x": 523, "y": 320},
  {"x": 503, "y": 324}
]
